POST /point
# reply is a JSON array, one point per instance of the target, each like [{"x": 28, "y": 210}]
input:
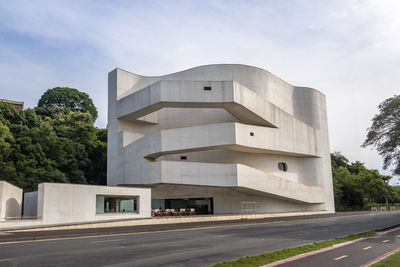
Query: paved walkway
[{"x": 40, "y": 224}]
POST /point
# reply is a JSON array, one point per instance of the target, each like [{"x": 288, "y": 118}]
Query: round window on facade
[{"x": 282, "y": 166}]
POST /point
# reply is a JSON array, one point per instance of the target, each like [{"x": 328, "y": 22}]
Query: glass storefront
[
  {"x": 111, "y": 204},
  {"x": 200, "y": 205}
]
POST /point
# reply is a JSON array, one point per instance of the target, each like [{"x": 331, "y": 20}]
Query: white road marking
[
  {"x": 224, "y": 235},
  {"x": 105, "y": 241},
  {"x": 8, "y": 259},
  {"x": 137, "y": 233},
  {"x": 166, "y": 231}
]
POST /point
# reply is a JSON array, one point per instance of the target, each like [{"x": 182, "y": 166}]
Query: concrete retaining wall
[
  {"x": 10, "y": 201},
  {"x": 65, "y": 203}
]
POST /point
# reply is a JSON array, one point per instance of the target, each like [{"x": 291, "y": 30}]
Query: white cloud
[{"x": 346, "y": 49}]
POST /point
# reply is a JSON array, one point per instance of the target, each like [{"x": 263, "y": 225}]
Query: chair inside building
[{"x": 181, "y": 207}]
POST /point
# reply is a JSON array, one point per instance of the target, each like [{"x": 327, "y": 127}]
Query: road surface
[
  {"x": 188, "y": 247},
  {"x": 359, "y": 253}
]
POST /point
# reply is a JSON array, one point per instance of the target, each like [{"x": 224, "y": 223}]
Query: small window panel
[
  {"x": 183, "y": 158},
  {"x": 207, "y": 88},
  {"x": 251, "y": 134},
  {"x": 116, "y": 204},
  {"x": 282, "y": 166}
]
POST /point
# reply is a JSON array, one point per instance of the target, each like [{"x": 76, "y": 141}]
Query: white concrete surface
[
  {"x": 233, "y": 138},
  {"x": 64, "y": 203},
  {"x": 68, "y": 203},
  {"x": 10, "y": 201},
  {"x": 231, "y": 135}
]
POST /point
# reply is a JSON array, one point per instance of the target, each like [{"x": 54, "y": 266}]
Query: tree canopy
[
  {"x": 50, "y": 144},
  {"x": 68, "y": 98},
  {"x": 384, "y": 133},
  {"x": 357, "y": 188}
]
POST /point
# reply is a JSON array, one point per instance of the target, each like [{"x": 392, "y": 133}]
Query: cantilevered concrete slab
[
  {"x": 233, "y": 133},
  {"x": 230, "y": 135},
  {"x": 230, "y": 95}
]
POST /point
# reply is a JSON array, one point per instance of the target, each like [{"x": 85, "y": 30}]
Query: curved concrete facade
[{"x": 220, "y": 131}]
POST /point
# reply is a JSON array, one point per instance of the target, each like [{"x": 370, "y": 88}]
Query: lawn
[{"x": 391, "y": 261}]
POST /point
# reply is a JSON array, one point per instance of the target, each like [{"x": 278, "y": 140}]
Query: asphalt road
[
  {"x": 48, "y": 234},
  {"x": 190, "y": 247},
  {"x": 356, "y": 254}
]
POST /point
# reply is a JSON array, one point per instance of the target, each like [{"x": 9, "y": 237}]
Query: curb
[{"x": 304, "y": 255}]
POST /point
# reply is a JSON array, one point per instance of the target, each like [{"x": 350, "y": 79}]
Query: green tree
[
  {"x": 68, "y": 98},
  {"x": 338, "y": 160},
  {"x": 384, "y": 133},
  {"x": 348, "y": 195},
  {"x": 7, "y": 168},
  {"x": 86, "y": 159},
  {"x": 356, "y": 187},
  {"x": 50, "y": 144}
]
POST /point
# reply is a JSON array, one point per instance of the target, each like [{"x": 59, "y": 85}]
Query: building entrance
[{"x": 200, "y": 205}]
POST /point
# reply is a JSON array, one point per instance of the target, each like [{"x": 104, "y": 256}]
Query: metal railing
[
  {"x": 386, "y": 207},
  {"x": 249, "y": 210}
]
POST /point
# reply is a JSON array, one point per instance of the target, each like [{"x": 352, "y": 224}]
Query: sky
[{"x": 349, "y": 50}]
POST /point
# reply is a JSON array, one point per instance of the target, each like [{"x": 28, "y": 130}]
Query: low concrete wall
[
  {"x": 68, "y": 203},
  {"x": 30, "y": 205},
  {"x": 10, "y": 201}
]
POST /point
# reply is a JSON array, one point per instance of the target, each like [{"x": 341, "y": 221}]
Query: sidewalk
[{"x": 37, "y": 225}]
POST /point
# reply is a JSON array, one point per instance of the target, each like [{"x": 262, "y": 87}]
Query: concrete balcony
[
  {"x": 241, "y": 102},
  {"x": 232, "y": 136},
  {"x": 233, "y": 175}
]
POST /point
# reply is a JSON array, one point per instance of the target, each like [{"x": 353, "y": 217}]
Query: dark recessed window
[
  {"x": 282, "y": 166},
  {"x": 251, "y": 134},
  {"x": 207, "y": 88},
  {"x": 109, "y": 204},
  {"x": 183, "y": 158}
]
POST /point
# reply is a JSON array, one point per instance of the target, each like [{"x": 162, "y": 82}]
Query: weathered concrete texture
[
  {"x": 64, "y": 203},
  {"x": 10, "y": 201},
  {"x": 68, "y": 203},
  {"x": 220, "y": 131}
]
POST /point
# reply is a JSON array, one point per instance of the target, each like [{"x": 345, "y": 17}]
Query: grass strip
[
  {"x": 278, "y": 255},
  {"x": 391, "y": 261}
]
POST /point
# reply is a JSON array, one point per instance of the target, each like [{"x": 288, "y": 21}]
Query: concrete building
[
  {"x": 216, "y": 136},
  {"x": 60, "y": 203},
  {"x": 56, "y": 203},
  {"x": 10, "y": 201},
  {"x": 17, "y": 104}
]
